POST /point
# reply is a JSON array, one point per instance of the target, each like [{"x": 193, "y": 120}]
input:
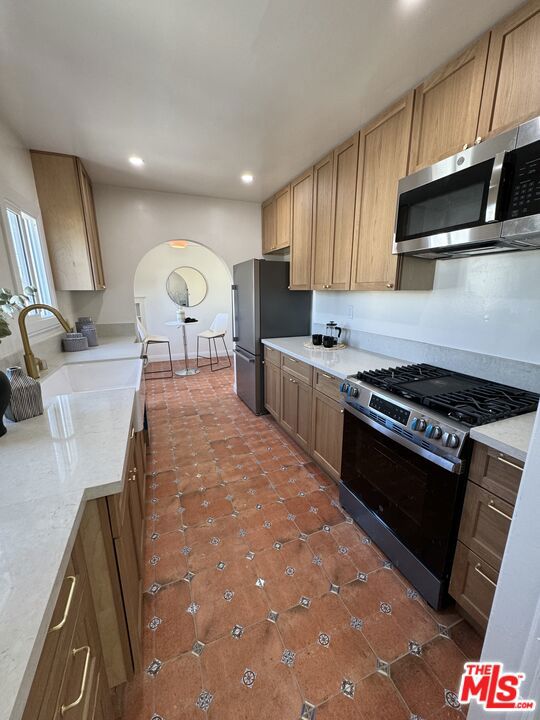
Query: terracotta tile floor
[{"x": 262, "y": 599}]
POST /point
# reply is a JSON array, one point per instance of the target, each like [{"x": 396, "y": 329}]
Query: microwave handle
[{"x": 494, "y": 187}]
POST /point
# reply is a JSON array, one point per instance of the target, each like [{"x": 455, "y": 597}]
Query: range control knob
[
  {"x": 344, "y": 387},
  {"x": 433, "y": 432},
  {"x": 352, "y": 391},
  {"x": 451, "y": 440},
  {"x": 418, "y": 424}
]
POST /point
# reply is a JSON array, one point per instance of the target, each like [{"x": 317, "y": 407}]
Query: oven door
[
  {"x": 454, "y": 204},
  {"x": 418, "y": 501}
]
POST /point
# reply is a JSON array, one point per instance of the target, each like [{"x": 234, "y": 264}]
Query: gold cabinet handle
[
  {"x": 132, "y": 433},
  {"x": 293, "y": 360},
  {"x": 478, "y": 140},
  {"x": 465, "y": 146},
  {"x": 85, "y": 648},
  {"x": 329, "y": 377},
  {"x": 63, "y": 621},
  {"x": 389, "y": 285},
  {"x": 478, "y": 569},
  {"x": 509, "y": 462},
  {"x": 293, "y": 381},
  {"x": 492, "y": 506},
  {"x": 342, "y": 411}
]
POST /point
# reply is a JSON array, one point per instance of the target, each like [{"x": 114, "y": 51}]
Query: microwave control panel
[{"x": 525, "y": 186}]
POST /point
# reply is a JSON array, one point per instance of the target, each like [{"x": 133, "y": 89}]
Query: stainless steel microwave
[{"x": 485, "y": 199}]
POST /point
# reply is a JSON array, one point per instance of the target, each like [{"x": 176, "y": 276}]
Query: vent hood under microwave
[{"x": 483, "y": 200}]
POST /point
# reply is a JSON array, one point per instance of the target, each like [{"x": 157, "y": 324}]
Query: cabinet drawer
[
  {"x": 496, "y": 472},
  {"x": 485, "y": 524},
  {"x": 43, "y": 696},
  {"x": 473, "y": 584},
  {"x": 327, "y": 384},
  {"x": 271, "y": 355},
  {"x": 298, "y": 369}
]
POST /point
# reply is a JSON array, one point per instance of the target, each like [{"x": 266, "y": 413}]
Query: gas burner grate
[{"x": 469, "y": 400}]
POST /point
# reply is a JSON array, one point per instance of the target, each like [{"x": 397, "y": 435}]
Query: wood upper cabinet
[
  {"x": 512, "y": 87},
  {"x": 345, "y": 169},
  {"x": 384, "y": 151},
  {"x": 67, "y": 208},
  {"x": 327, "y": 432},
  {"x": 447, "y": 107},
  {"x": 268, "y": 212},
  {"x": 283, "y": 218},
  {"x": 301, "y": 196},
  {"x": 323, "y": 227}
]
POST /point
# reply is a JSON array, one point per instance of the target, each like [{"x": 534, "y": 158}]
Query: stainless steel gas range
[{"x": 406, "y": 452}]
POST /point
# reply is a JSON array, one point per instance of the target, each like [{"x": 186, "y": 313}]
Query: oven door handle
[
  {"x": 494, "y": 186},
  {"x": 452, "y": 466}
]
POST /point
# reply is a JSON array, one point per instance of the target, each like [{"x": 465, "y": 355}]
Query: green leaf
[{"x": 4, "y": 328}]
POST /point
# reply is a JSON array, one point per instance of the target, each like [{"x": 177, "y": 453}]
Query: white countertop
[
  {"x": 109, "y": 348},
  {"x": 510, "y": 436},
  {"x": 50, "y": 466},
  {"x": 340, "y": 363}
]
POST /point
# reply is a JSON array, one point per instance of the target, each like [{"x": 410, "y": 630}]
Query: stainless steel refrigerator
[{"x": 263, "y": 307}]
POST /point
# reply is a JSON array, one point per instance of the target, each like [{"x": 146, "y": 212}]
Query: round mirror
[{"x": 186, "y": 286}]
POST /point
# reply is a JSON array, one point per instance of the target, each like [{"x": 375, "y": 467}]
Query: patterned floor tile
[{"x": 236, "y": 508}]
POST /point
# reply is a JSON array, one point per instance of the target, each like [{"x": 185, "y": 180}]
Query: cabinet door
[
  {"x": 283, "y": 218},
  {"x": 131, "y": 585},
  {"x": 272, "y": 388},
  {"x": 343, "y": 200},
  {"x": 384, "y": 150},
  {"x": 89, "y": 212},
  {"x": 301, "y": 215},
  {"x": 322, "y": 224},
  {"x": 485, "y": 524},
  {"x": 512, "y": 88},
  {"x": 268, "y": 226},
  {"x": 447, "y": 107},
  {"x": 289, "y": 403},
  {"x": 473, "y": 584},
  {"x": 327, "y": 433},
  {"x": 303, "y": 425}
]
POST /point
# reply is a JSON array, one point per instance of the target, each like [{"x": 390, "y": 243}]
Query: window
[{"x": 30, "y": 257}]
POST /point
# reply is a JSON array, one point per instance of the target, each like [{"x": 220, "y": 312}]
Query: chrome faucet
[{"x": 33, "y": 364}]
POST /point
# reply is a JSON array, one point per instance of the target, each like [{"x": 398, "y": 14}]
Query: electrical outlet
[{"x": 350, "y": 311}]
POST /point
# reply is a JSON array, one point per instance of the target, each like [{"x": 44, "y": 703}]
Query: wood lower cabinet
[
  {"x": 268, "y": 220},
  {"x": 327, "y": 433},
  {"x": 272, "y": 388},
  {"x": 511, "y": 89},
  {"x": 483, "y": 532},
  {"x": 94, "y": 639},
  {"x": 472, "y": 585},
  {"x": 67, "y": 208},
  {"x": 295, "y": 414},
  {"x": 447, "y": 107},
  {"x": 301, "y": 218},
  {"x": 305, "y": 402}
]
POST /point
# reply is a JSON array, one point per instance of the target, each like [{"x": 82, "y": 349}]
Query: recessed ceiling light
[
  {"x": 247, "y": 178},
  {"x": 136, "y": 161}
]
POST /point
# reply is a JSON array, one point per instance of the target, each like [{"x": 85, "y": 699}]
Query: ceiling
[{"x": 204, "y": 90}]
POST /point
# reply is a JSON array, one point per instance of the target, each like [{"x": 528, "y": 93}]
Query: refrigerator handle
[{"x": 234, "y": 289}]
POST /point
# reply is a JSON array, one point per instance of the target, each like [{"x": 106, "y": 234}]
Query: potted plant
[{"x": 9, "y": 304}]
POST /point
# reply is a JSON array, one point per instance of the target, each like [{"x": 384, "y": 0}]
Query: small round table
[{"x": 187, "y": 370}]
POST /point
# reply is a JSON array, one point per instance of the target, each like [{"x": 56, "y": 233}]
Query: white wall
[
  {"x": 487, "y": 304},
  {"x": 150, "y": 279},
  {"x": 132, "y": 222},
  {"x": 17, "y": 187}
]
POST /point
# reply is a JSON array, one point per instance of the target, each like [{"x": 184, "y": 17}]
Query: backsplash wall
[{"x": 488, "y": 305}]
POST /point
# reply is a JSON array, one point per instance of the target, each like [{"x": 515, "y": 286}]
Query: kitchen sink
[{"x": 88, "y": 377}]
